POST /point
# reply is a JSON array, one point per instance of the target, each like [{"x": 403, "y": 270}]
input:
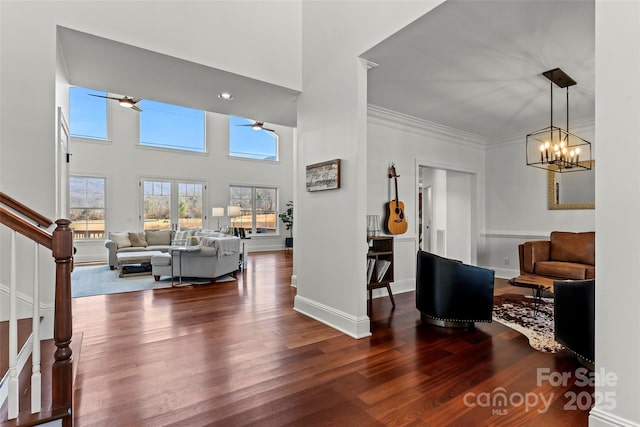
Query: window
[
  {"x": 251, "y": 144},
  {"x": 87, "y": 114},
  {"x": 257, "y": 208},
  {"x": 87, "y": 206},
  {"x": 170, "y": 204},
  {"x": 171, "y": 126}
]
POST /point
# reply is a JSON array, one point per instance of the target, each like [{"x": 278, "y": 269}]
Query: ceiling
[
  {"x": 477, "y": 66},
  {"x": 98, "y": 63}
]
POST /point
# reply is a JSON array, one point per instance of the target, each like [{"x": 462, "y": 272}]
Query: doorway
[
  {"x": 448, "y": 213},
  {"x": 169, "y": 204}
]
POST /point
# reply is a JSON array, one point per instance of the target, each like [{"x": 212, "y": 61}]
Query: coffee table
[
  {"x": 539, "y": 285},
  {"x": 129, "y": 258}
]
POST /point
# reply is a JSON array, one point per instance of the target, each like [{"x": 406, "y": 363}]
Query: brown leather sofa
[{"x": 565, "y": 255}]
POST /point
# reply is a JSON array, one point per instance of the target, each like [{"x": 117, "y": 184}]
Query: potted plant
[{"x": 287, "y": 218}]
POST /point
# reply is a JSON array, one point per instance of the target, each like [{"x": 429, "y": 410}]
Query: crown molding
[
  {"x": 404, "y": 122},
  {"x": 576, "y": 127}
]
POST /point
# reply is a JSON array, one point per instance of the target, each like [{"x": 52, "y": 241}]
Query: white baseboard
[
  {"x": 599, "y": 418},
  {"x": 343, "y": 322}
]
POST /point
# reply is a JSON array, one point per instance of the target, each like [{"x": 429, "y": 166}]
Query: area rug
[
  {"x": 100, "y": 280},
  {"x": 518, "y": 312}
]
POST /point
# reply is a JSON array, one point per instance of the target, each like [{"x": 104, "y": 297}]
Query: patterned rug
[{"x": 518, "y": 312}]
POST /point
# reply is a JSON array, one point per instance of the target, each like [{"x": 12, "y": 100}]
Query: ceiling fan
[
  {"x": 125, "y": 101},
  {"x": 258, "y": 126}
]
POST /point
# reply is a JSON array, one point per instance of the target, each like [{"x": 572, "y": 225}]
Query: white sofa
[
  {"x": 128, "y": 241},
  {"x": 209, "y": 255}
]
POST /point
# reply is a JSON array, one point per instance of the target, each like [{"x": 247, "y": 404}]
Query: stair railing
[{"x": 60, "y": 242}]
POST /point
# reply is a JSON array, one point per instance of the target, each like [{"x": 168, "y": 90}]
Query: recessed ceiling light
[{"x": 225, "y": 95}]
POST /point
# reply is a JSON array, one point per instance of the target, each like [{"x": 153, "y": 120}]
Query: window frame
[
  {"x": 105, "y": 209},
  {"x": 253, "y": 230},
  {"x": 174, "y": 199}
]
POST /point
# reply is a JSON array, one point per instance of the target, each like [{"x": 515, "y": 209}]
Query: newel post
[{"x": 62, "y": 251}]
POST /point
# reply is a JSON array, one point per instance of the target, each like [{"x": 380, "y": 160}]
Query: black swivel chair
[
  {"x": 574, "y": 317},
  {"x": 452, "y": 294}
]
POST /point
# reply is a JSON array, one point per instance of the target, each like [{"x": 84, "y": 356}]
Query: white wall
[
  {"x": 124, "y": 162},
  {"x": 617, "y": 211},
  {"x": 410, "y": 144},
  {"x": 459, "y": 215},
  {"x": 517, "y": 203},
  {"x": 332, "y": 124}
]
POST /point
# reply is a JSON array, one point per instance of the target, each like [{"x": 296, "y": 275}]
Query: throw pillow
[
  {"x": 121, "y": 239},
  {"x": 159, "y": 237},
  {"x": 138, "y": 240}
]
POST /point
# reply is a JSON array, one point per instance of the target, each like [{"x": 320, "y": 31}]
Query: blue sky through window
[
  {"x": 87, "y": 114},
  {"x": 171, "y": 126},
  {"x": 249, "y": 143}
]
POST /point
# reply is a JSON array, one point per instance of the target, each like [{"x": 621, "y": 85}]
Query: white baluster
[
  {"x": 12, "y": 409},
  {"x": 35, "y": 355}
]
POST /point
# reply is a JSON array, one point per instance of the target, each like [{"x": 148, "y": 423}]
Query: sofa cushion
[
  {"x": 138, "y": 240},
  {"x": 161, "y": 260},
  {"x": 566, "y": 270},
  {"x": 573, "y": 247},
  {"x": 121, "y": 239},
  {"x": 158, "y": 237}
]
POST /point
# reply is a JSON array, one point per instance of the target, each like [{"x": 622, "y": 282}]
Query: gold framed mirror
[{"x": 573, "y": 190}]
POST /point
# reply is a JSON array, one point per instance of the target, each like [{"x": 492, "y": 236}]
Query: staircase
[{"x": 42, "y": 395}]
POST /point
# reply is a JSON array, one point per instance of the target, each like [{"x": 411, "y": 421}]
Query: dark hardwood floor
[{"x": 236, "y": 354}]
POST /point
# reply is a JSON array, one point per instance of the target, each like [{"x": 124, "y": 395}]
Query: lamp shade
[
  {"x": 215, "y": 212},
  {"x": 233, "y": 210}
]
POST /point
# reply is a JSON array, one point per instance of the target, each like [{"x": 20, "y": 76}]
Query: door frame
[
  {"x": 174, "y": 202},
  {"x": 474, "y": 202}
]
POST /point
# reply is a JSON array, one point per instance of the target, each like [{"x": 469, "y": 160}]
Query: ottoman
[{"x": 161, "y": 265}]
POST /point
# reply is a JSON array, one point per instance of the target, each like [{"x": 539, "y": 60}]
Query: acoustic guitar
[{"x": 396, "y": 221}]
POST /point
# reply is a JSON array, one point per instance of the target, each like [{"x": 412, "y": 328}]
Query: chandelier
[{"x": 553, "y": 148}]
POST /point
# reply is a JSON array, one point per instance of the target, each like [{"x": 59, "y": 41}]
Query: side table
[{"x": 180, "y": 250}]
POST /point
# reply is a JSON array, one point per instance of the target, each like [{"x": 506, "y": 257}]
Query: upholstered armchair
[
  {"x": 574, "y": 317},
  {"x": 452, "y": 294}
]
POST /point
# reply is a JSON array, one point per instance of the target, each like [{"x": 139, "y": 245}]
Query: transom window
[
  {"x": 258, "y": 207},
  {"x": 87, "y": 206},
  {"x": 171, "y": 126},
  {"x": 87, "y": 114},
  {"x": 248, "y": 143}
]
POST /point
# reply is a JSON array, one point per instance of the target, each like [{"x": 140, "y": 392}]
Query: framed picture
[{"x": 323, "y": 176}]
